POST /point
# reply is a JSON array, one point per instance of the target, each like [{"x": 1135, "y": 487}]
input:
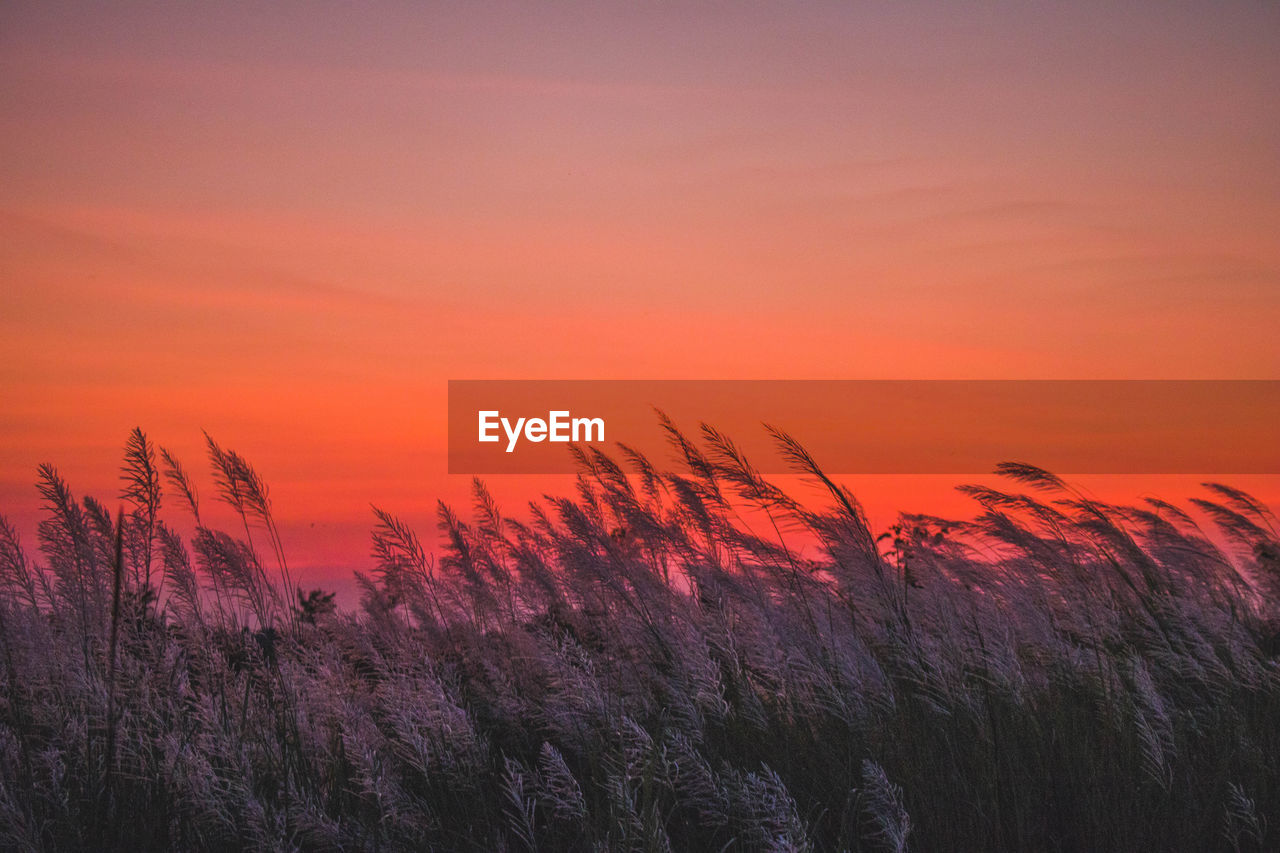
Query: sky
[{"x": 291, "y": 224}]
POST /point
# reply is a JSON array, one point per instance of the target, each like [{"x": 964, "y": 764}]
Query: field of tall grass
[{"x": 685, "y": 659}]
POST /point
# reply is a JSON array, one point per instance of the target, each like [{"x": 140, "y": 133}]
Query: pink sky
[{"x": 291, "y": 224}]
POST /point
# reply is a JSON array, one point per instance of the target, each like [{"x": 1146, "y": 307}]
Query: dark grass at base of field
[{"x": 640, "y": 668}]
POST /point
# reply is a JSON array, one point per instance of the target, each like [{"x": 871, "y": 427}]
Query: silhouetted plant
[{"x": 638, "y": 666}]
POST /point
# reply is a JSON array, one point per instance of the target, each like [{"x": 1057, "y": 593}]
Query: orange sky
[{"x": 291, "y": 224}]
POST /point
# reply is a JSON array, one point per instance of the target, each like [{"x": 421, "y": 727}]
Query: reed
[{"x": 674, "y": 658}]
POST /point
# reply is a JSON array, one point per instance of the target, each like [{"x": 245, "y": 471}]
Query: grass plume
[{"x": 674, "y": 658}]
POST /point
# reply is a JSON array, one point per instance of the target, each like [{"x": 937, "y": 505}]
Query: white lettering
[
  {"x": 587, "y": 424},
  {"x": 488, "y": 421},
  {"x": 559, "y": 427},
  {"x": 559, "y": 422},
  {"x": 512, "y": 434}
]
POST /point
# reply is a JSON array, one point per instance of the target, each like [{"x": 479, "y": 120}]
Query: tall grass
[{"x": 684, "y": 659}]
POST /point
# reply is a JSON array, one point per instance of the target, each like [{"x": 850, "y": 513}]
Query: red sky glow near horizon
[{"x": 291, "y": 224}]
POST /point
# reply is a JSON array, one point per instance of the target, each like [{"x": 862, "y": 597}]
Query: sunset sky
[{"x": 290, "y": 224}]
